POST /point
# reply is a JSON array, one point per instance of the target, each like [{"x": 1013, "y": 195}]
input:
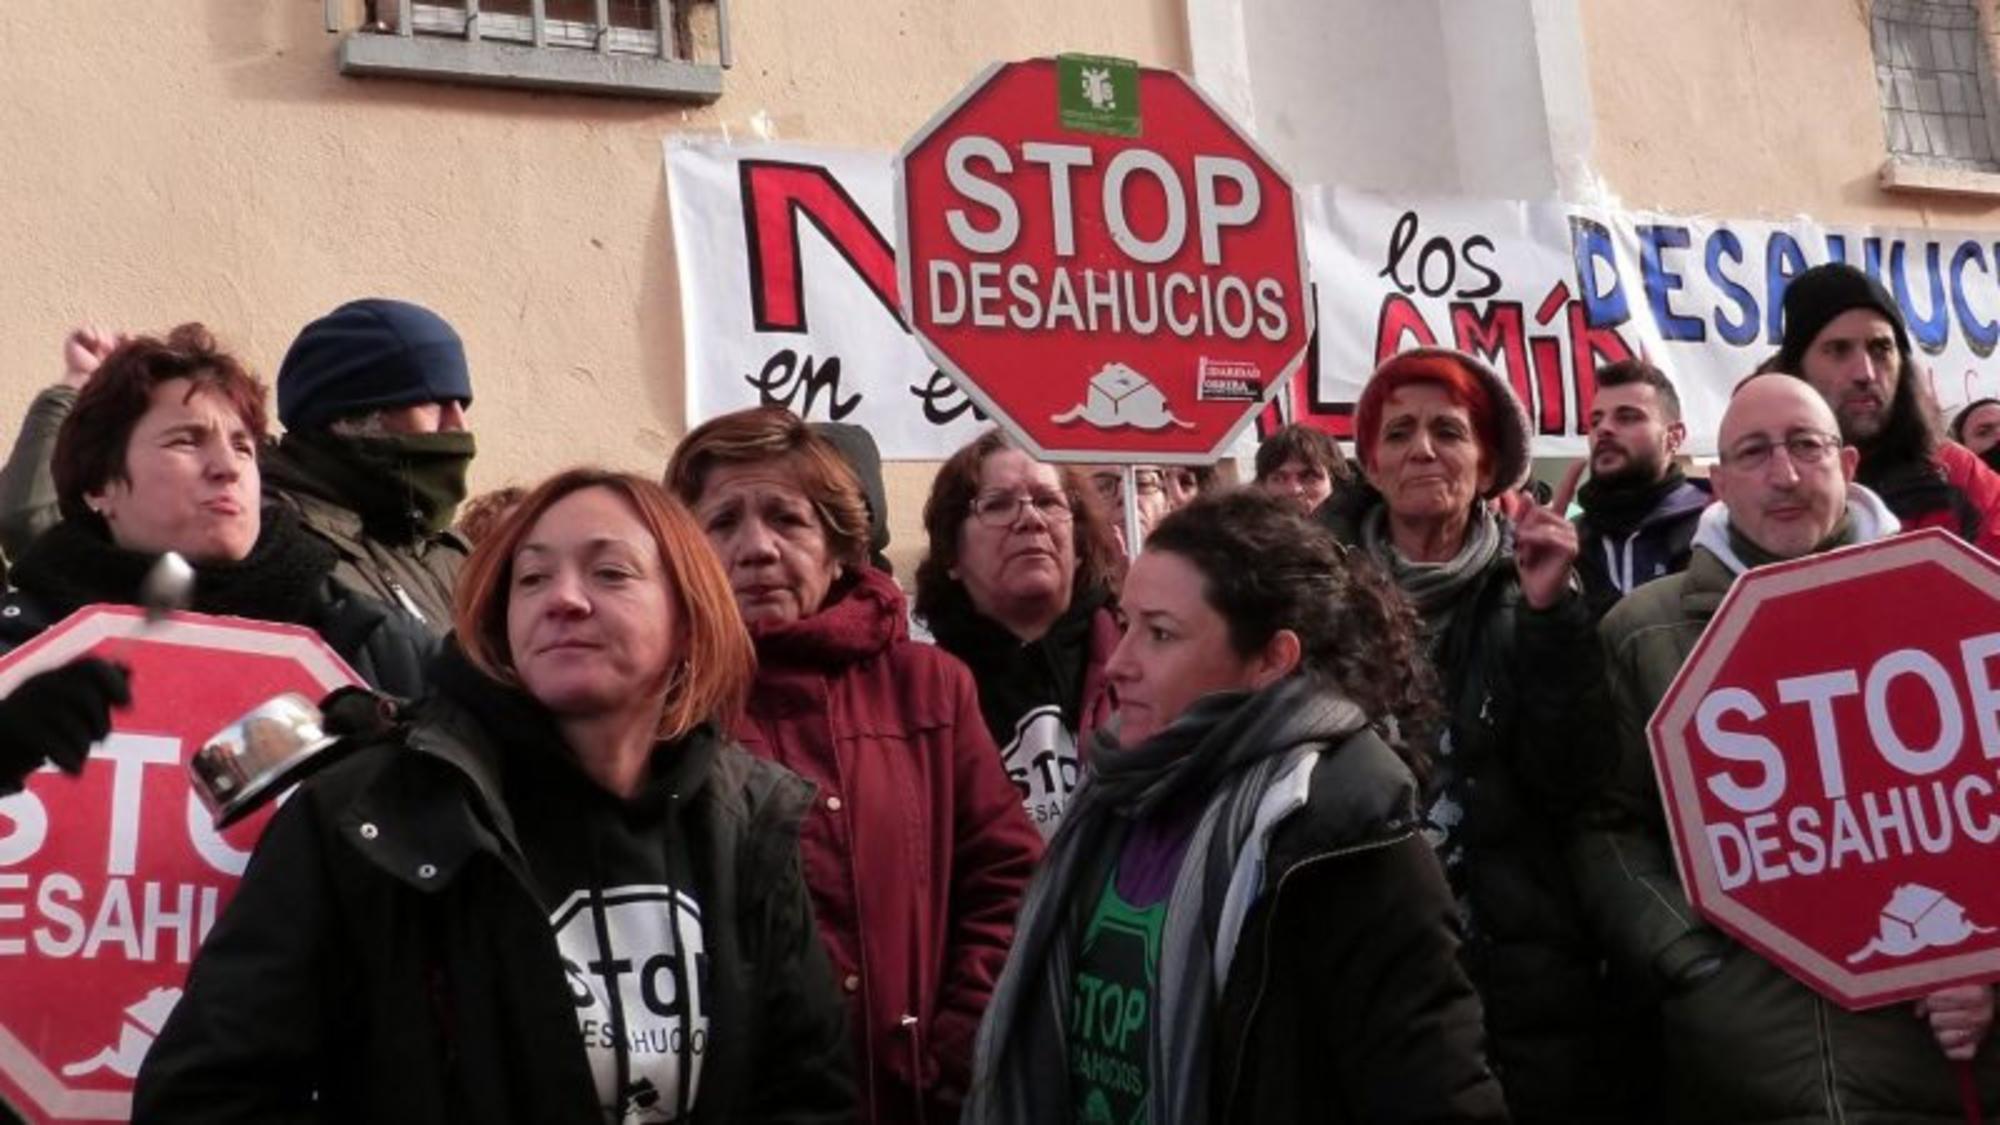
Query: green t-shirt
[{"x": 1117, "y": 973}]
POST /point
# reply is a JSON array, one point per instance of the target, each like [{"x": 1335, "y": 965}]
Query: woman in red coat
[{"x": 917, "y": 850}]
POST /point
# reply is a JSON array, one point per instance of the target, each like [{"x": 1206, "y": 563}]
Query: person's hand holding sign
[
  {"x": 1545, "y": 543},
  {"x": 56, "y": 716},
  {"x": 1960, "y": 1018}
]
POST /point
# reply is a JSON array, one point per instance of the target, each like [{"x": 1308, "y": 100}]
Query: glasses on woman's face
[
  {"x": 1110, "y": 484},
  {"x": 1803, "y": 447},
  {"x": 1003, "y": 509}
]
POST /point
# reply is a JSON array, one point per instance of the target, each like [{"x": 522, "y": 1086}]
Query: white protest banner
[
  {"x": 789, "y": 293},
  {"x": 1549, "y": 291}
]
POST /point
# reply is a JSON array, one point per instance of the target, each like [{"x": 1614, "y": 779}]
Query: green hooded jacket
[
  {"x": 1741, "y": 1041},
  {"x": 415, "y": 575}
]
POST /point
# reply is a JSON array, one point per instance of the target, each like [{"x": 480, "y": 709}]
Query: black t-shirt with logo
[
  {"x": 1031, "y": 696},
  {"x": 615, "y": 881}
]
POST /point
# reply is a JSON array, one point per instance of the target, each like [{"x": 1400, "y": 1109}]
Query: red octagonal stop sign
[
  {"x": 1102, "y": 260},
  {"x": 109, "y": 880},
  {"x": 1830, "y": 761}
]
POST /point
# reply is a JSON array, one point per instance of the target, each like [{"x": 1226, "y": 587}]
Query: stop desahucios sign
[
  {"x": 1102, "y": 260},
  {"x": 1829, "y": 758},
  {"x": 110, "y": 879}
]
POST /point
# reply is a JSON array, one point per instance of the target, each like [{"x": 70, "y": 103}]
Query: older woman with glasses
[
  {"x": 1019, "y": 583},
  {"x": 916, "y": 850}
]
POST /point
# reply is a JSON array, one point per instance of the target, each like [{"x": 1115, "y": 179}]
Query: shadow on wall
[
  {"x": 283, "y": 65},
  {"x": 656, "y": 318}
]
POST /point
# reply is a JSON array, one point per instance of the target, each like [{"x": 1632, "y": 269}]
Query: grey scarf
[
  {"x": 1231, "y": 746},
  {"x": 1433, "y": 589}
]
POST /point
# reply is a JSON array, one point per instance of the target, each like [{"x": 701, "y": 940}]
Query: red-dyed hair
[
  {"x": 90, "y": 446},
  {"x": 1461, "y": 385},
  {"x": 720, "y": 661}
]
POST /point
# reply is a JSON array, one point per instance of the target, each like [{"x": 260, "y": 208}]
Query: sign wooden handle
[{"x": 1968, "y": 1091}]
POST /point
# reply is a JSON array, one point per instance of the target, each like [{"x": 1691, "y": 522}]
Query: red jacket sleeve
[
  {"x": 994, "y": 855},
  {"x": 1981, "y": 488}
]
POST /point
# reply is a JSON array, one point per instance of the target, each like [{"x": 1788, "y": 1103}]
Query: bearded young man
[
  {"x": 1639, "y": 508},
  {"x": 1845, "y": 336}
]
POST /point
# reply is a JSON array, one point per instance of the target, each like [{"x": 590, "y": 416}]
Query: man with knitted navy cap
[
  {"x": 1844, "y": 335},
  {"x": 374, "y": 457}
]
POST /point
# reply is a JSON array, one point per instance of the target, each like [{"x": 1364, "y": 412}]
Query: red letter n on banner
[{"x": 777, "y": 197}]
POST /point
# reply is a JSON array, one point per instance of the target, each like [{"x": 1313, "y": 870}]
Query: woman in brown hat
[{"x": 1441, "y": 438}]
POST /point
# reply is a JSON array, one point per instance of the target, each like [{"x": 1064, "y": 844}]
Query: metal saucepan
[{"x": 250, "y": 761}]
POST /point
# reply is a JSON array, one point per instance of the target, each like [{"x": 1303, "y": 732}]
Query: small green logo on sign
[{"x": 1098, "y": 94}]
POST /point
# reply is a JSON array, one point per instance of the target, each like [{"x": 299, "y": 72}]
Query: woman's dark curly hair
[
  {"x": 1267, "y": 568},
  {"x": 939, "y": 595}
]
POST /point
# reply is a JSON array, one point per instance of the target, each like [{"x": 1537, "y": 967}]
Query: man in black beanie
[
  {"x": 375, "y": 452},
  {"x": 1844, "y": 335}
]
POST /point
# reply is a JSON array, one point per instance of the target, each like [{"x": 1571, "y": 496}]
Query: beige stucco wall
[
  {"x": 203, "y": 159},
  {"x": 1750, "y": 109}
]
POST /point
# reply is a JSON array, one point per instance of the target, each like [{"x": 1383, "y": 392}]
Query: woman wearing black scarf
[
  {"x": 1239, "y": 919},
  {"x": 1443, "y": 443},
  {"x": 1019, "y": 583},
  {"x": 160, "y": 454}
]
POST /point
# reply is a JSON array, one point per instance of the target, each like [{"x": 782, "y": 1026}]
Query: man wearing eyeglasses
[
  {"x": 1845, "y": 336},
  {"x": 1149, "y": 487},
  {"x": 1740, "y": 1039}
]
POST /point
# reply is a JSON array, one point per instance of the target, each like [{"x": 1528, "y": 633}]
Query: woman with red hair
[
  {"x": 551, "y": 891},
  {"x": 1441, "y": 438}
]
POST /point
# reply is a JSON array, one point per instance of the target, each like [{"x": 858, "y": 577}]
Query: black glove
[
  {"x": 357, "y": 714},
  {"x": 56, "y": 715}
]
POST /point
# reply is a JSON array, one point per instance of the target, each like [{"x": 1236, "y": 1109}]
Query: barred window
[
  {"x": 631, "y": 26},
  {"x": 1934, "y": 74},
  {"x": 650, "y": 48}
]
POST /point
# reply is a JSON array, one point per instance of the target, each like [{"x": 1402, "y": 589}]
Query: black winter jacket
[
  {"x": 1529, "y": 721},
  {"x": 387, "y": 960},
  {"x": 1345, "y": 1004},
  {"x": 1614, "y": 559},
  {"x": 1527, "y": 716}
]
